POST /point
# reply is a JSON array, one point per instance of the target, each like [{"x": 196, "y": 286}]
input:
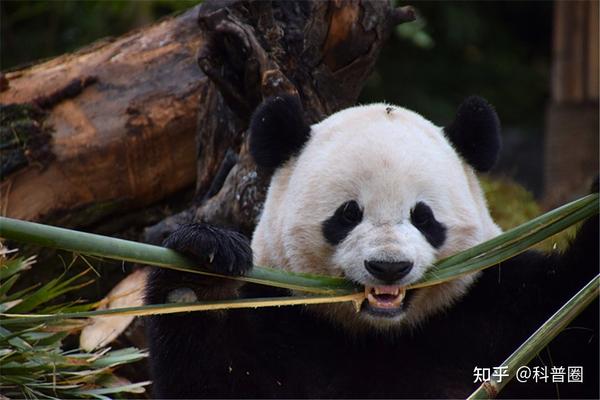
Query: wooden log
[{"x": 114, "y": 127}]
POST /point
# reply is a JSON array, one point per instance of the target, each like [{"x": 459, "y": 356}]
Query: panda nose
[{"x": 388, "y": 271}]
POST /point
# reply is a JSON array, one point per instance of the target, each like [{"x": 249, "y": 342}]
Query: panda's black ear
[
  {"x": 475, "y": 133},
  {"x": 277, "y": 131}
]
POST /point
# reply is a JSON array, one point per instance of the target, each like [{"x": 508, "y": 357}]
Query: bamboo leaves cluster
[{"x": 32, "y": 359}]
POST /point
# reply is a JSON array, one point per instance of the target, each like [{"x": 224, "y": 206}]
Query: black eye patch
[
  {"x": 423, "y": 219},
  {"x": 338, "y": 226}
]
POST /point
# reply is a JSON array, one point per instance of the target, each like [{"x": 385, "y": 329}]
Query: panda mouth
[{"x": 389, "y": 298}]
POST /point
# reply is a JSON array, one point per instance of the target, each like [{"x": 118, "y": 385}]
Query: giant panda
[{"x": 375, "y": 194}]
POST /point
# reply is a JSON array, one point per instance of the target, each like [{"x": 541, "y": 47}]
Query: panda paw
[{"x": 220, "y": 250}]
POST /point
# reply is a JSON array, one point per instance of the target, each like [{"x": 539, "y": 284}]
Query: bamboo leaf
[
  {"x": 522, "y": 229},
  {"x": 118, "y": 357},
  {"x": 32, "y": 362},
  {"x": 14, "y": 339},
  {"x": 10, "y": 267},
  {"x": 36, "y": 298},
  {"x": 18, "y": 295},
  {"x": 506, "y": 245},
  {"x": 7, "y": 285},
  {"x": 131, "y": 388}
]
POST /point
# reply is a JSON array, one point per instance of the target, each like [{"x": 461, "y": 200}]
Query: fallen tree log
[
  {"x": 108, "y": 128},
  {"x": 112, "y": 127}
]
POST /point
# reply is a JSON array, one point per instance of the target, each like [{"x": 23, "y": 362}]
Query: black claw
[{"x": 231, "y": 252}]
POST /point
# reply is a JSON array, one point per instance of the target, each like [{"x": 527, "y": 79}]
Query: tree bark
[
  {"x": 321, "y": 52},
  {"x": 112, "y": 127}
]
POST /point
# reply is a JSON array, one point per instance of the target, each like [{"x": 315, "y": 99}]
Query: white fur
[{"x": 386, "y": 160}]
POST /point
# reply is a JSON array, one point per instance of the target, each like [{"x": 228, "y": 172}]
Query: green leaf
[
  {"x": 7, "y": 285},
  {"x": 50, "y": 291},
  {"x": 118, "y": 357},
  {"x": 11, "y": 267},
  {"x": 131, "y": 388},
  {"x": 32, "y": 362},
  {"x": 14, "y": 339}
]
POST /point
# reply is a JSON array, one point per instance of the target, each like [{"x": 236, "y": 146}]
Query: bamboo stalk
[
  {"x": 509, "y": 247},
  {"x": 477, "y": 258},
  {"x": 522, "y": 229},
  {"x": 536, "y": 342},
  {"x": 155, "y": 309},
  {"x": 125, "y": 250}
]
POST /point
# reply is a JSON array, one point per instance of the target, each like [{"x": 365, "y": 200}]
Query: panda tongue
[{"x": 385, "y": 296}]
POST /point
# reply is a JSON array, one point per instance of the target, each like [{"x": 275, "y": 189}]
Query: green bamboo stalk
[
  {"x": 479, "y": 257},
  {"x": 540, "y": 339},
  {"x": 522, "y": 229},
  {"x": 507, "y": 248},
  {"x": 119, "y": 249}
]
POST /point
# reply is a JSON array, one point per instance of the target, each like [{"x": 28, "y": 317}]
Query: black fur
[
  {"x": 475, "y": 133},
  {"x": 277, "y": 131},
  {"x": 221, "y": 250},
  {"x": 179, "y": 342},
  {"x": 423, "y": 219},
  {"x": 340, "y": 224},
  {"x": 289, "y": 352}
]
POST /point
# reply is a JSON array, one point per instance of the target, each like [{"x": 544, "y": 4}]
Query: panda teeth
[
  {"x": 394, "y": 291},
  {"x": 373, "y": 295}
]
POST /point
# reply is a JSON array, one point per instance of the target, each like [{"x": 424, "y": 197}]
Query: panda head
[{"x": 375, "y": 194}]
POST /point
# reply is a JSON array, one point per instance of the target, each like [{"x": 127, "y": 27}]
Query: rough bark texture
[
  {"x": 106, "y": 129},
  {"x": 320, "y": 51},
  {"x": 112, "y": 127}
]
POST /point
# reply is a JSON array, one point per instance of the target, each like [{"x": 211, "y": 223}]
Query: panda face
[
  {"x": 375, "y": 196},
  {"x": 384, "y": 254}
]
